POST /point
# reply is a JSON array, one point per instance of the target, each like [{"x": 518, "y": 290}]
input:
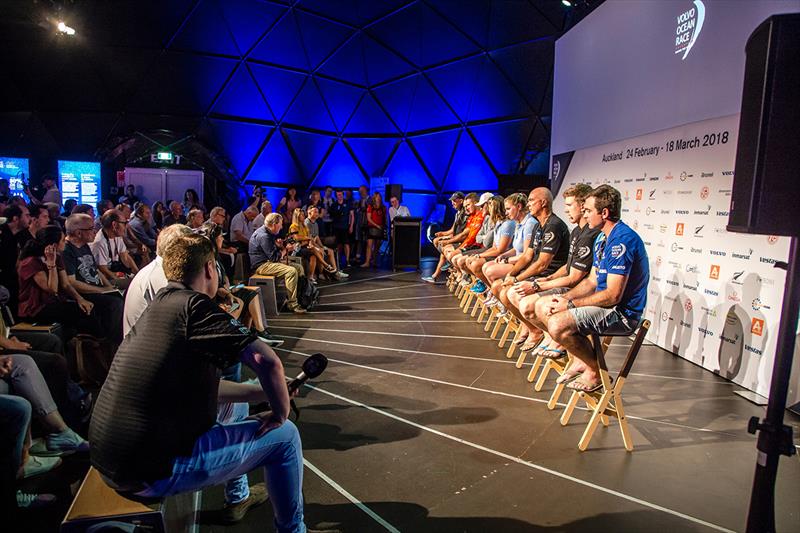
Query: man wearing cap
[
  {"x": 459, "y": 223},
  {"x": 464, "y": 240}
]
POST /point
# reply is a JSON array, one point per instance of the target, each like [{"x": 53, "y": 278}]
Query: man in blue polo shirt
[{"x": 611, "y": 299}]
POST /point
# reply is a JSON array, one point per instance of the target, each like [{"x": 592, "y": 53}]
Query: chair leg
[
  {"x": 548, "y": 365},
  {"x": 537, "y": 362},
  {"x": 521, "y": 359},
  {"x": 475, "y": 307},
  {"x": 623, "y": 423},
  {"x": 484, "y": 309},
  {"x": 512, "y": 346},
  {"x": 467, "y": 300},
  {"x": 551, "y": 404},
  {"x": 596, "y": 416},
  {"x": 567, "y": 414},
  {"x": 497, "y": 326},
  {"x": 492, "y": 315},
  {"x": 510, "y": 324}
]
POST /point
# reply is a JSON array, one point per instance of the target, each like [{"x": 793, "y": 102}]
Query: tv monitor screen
[
  {"x": 80, "y": 181},
  {"x": 15, "y": 170}
]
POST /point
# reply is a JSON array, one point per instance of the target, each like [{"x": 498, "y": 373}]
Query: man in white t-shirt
[
  {"x": 242, "y": 227},
  {"x": 397, "y": 210},
  {"x": 110, "y": 252},
  {"x": 266, "y": 209}
]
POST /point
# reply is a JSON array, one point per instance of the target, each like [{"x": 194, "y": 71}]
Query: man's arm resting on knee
[
  {"x": 541, "y": 264},
  {"x": 572, "y": 279},
  {"x": 611, "y": 296},
  {"x": 263, "y": 361},
  {"x": 586, "y": 287}
]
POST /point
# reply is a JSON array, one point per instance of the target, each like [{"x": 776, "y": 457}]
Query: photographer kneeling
[{"x": 269, "y": 257}]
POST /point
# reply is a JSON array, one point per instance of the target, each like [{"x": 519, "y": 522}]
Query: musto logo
[{"x": 689, "y": 25}]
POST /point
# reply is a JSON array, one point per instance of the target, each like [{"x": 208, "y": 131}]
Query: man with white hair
[
  {"x": 175, "y": 215},
  {"x": 242, "y": 227}
]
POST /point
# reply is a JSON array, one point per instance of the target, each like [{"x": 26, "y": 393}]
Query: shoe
[
  {"x": 429, "y": 279},
  {"x": 341, "y": 275},
  {"x": 35, "y": 466},
  {"x": 466, "y": 282},
  {"x": 491, "y": 301},
  {"x": 478, "y": 288},
  {"x": 313, "y": 281},
  {"x": 28, "y": 501},
  {"x": 233, "y": 513},
  {"x": 57, "y": 444},
  {"x": 297, "y": 310},
  {"x": 270, "y": 339},
  {"x": 501, "y": 310},
  {"x": 446, "y": 266}
]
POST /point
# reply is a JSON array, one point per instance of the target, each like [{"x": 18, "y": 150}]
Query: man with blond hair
[{"x": 269, "y": 257}]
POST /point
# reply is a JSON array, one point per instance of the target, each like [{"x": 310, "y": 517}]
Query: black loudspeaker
[
  {"x": 766, "y": 185},
  {"x": 394, "y": 190},
  {"x": 406, "y": 237}
]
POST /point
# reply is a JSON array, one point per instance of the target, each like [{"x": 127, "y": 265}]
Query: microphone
[{"x": 312, "y": 368}]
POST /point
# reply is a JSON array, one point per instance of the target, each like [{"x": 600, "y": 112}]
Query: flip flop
[
  {"x": 520, "y": 340},
  {"x": 528, "y": 346},
  {"x": 582, "y": 386},
  {"x": 568, "y": 376},
  {"x": 554, "y": 353}
]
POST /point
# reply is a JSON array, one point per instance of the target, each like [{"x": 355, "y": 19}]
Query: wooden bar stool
[
  {"x": 607, "y": 402},
  {"x": 561, "y": 366}
]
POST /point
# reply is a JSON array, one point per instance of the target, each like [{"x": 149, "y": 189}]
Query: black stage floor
[{"x": 420, "y": 423}]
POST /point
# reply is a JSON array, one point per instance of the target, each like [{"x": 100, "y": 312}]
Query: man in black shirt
[
  {"x": 343, "y": 221},
  {"x": 525, "y": 295},
  {"x": 154, "y": 430}
]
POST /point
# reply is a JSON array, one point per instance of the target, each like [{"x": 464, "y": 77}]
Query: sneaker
[
  {"x": 28, "y": 501},
  {"x": 297, "y": 310},
  {"x": 57, "y": 444},
  {"x": 341, "y": 275},
  {"x": 35, "y": 466},
  {"x": 491, "y": 301},
  {"x": 270, "y": 339},
  {"x": 446, "y": 266},
  {"x": 429, "y": 279},
  {"x": 501, "y": 310},
  {"x": 233, "y": 513},
  {"x": 478, "y": 288},
  {"x": 466, "y": 282}
]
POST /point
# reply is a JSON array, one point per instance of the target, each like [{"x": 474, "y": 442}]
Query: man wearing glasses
[
  {"x": 86, "y": 278},
  {"x": 110, "y": 252}
]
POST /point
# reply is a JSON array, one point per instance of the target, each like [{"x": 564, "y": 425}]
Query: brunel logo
[{"x": 689, "y": 25}]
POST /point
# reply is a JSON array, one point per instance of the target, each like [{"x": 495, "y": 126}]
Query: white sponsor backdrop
[{"x": 714, "y": 297}]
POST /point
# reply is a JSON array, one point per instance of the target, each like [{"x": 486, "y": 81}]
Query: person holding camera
[
  {"x": 110, "y": 252},
  {"x": 269, "y": 256}
]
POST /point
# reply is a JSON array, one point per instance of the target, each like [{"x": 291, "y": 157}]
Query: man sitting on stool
[
  {"x": 267, "y": 252},
  {"x": 611, "y": 299}
]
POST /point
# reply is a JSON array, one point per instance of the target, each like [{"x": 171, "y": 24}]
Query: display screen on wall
[
  {"x": 80, "y": 181},
  {"x": 15, "y": 170}
]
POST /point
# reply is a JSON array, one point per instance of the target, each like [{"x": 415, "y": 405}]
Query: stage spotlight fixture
[
  {"x": 566, "y": 3},
  {"x": 63, "y": 28}
]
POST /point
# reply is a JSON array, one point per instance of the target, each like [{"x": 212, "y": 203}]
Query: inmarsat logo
[{"x": 690, "y": 23}]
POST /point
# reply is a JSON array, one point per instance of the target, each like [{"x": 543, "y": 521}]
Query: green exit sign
[{"x": 165, "y": 157}]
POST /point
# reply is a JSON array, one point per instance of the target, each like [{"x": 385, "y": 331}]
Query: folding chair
[
  {"x": 607, "y": 402},
  {"x": 560, "y": 366},
  {"x": 512, "y": 324}
]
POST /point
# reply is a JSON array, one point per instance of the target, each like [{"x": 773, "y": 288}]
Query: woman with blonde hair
[{"x": 316, "y": 257}]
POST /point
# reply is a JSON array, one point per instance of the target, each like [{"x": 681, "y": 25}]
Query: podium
[{"x": 406, "y": 234}]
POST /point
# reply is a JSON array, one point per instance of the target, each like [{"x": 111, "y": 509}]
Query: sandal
[
  {"x": 520, "y": 340},
  {"x": 554, "y": 353},
  {"x": 568, "y": 376},
  {"x": 531, "y": 345},
  {"x": 583, "y": 386}
]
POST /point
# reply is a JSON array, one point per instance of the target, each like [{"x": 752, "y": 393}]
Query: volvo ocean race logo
[{"x": 689, "y": 24}]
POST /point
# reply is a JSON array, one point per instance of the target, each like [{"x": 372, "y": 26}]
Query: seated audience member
[
  {"x": 242, "y": 227},
  {"x": 375, "y": 218},
  {"x": 84, "y": 209},
  {"x": 397, "y": 210},
  {"x": 459, "y": 222},
  {"x": 493, "y": 214},
  {"x": 548, "y": 250},
  {"x": 129, "y": 197},
  {"x": 17, "y": 221},
  {"x": 526, "y": 294},
  {"x": 195, "y": 218},
  {"x": 39, "y": 218},
  {"x": 266, "y": 209},
  {"x": 312, "y": 226},
  {"x": 496, "y": 269},
  {"x": 102, "y": 207},
  {"x": 20, "y": 376},
  {"x": 288, "y": 204},
  {"x": 342, "y": 222},
  {"x": 45, "y": 293},
  {"x": 173, "y": 357},
  {"x": 191, "y": 200},
  {"x": 15, "y": 419},
  {"x": 87, "y": 279},
  {"x": 248, "y": 308},
  {"x": 458, "y": 242},
  {"x": 611, "y": 299},
  {"x": 110, "y": 252},
  {"x": 158, "y": 213},
  {"x": 175, "y": 215},
  {"x": 69, "y": 205},
  {"x": 299, "y": 234},
  {"x": 141, "y": 229},
  {"x": 268, "y": 253},
  {"x": 54, "y": 210}
]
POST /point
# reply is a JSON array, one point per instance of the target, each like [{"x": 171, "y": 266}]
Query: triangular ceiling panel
[
  {"x": 456, "y": 82},
  {"x": 471, "y": 17},
  {"x": 397, "y": 98},
  {"x": 405, "y": 168},
  {"x": 494, "y": 96},
  {"x": 373, "y": 154},
  {"x": 339, "y": 170},
  {"x": 347, "y": 63},
  {"x": 310, "y": 148},
  {"x": 369, "y": 118},
  {"x": 93, "y": 128},
  {"x": 516, "y": 22},
  {"x": 278, "y": 86},
  {"x": 428, "y": 110},
  {"x": 523, "y": 66},
  {"x": 275, "y": 164},
  {"x": 469, "y": 169},
  {"x": 355, "y": 12},
  {"x": 309, "y": 110},
  {"x": 250, "y": 19},
  {"x": 381, "y": 63},
  {"x": 320, "y": 36},
  {"x": 206, "y": 31},
  {"x": 242, "y": 98},
  {"x": 421, "y": 36},
  {"x": 240, "y": 141},
  {"x": 504, "y": 142},
  {"x": 341, "y": 98},
  {"x": 283, "y": 45},
  {"x": 436, "y": 149}
]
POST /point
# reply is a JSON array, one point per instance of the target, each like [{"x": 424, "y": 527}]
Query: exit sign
[{"x": 165, "y": 157}]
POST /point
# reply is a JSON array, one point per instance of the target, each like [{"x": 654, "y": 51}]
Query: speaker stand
[{"x": 775, "y": 438}]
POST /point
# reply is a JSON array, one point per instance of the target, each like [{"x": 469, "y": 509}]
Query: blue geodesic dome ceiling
[{"x": 438, "y": 95}]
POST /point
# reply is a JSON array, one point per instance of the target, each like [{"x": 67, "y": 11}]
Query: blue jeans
[
  {"x": 230, "y": 450},
  {"x": 15, "y": 416},
  {"x": 236, "y": 489}
]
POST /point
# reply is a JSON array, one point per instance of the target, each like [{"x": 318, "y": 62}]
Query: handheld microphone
[{"x": 312, "y": 368}]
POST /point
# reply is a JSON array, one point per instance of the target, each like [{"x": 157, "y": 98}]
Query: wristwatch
[
  {"x": 534, "y": 285},
  {"x": 570, "y": 304}
]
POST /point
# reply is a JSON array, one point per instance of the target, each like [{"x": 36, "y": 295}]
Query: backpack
[{"x": 307, "y": 293}]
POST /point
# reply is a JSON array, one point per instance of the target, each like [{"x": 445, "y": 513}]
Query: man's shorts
[
  {"x": 474, "y": 250},
  {"x": 556, "y": 291},
  {"x": 602, "y": 320}
]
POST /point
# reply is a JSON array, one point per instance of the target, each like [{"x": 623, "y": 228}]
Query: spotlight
[
  {"x": 566, "y": 3},
  {"x": 63, "y": 28}
]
